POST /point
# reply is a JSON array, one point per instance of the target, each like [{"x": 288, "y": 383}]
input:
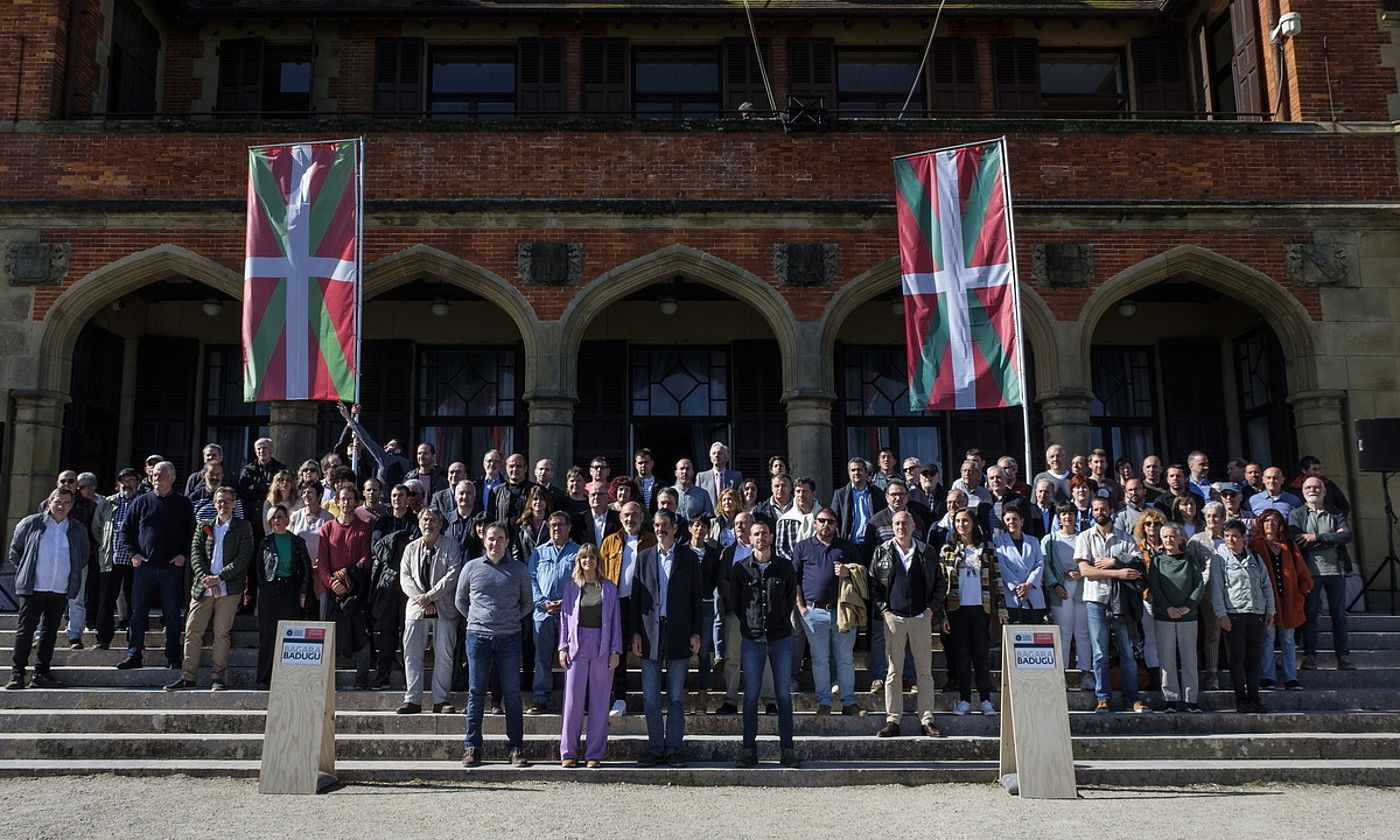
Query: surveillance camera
[{"x": 1290, "y": 25}]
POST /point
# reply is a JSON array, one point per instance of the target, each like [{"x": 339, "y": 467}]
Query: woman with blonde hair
[
  {"x": 730, "y": 505},
  {"x": 1148, "y": 535},
  {"x": 590, "y": 647},
  {"x": 280, "y": 491}
]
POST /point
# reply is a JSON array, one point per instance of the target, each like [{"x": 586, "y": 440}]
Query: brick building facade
[{"x": 1207, "y": 234}]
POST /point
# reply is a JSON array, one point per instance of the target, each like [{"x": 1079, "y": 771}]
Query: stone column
[
  {"x": 293, "y": 430},
  {"x": 809, "y": 437},
  {"x": 36, "y": 443},
  {"x": 552, "y": 430},
  {"x": 1319, "y": 420},
  {"x": 1065, "y": 416}
]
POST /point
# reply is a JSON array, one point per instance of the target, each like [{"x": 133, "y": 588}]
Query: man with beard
[
  {"x": 1106, "y": 559},
  {"x": 391, "y": 535},
  {"x": 115, "y": 559},
  {"x": 509, "y": 498}
]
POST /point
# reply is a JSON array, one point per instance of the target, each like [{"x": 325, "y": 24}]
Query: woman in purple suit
[{"x": 590, "y": 646}]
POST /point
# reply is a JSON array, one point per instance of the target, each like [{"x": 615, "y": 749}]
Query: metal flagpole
[
  {"x": 359, "y": 282},
  {"x": 1016, "y": 302}
]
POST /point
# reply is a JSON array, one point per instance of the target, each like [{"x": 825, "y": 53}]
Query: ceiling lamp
[
  {"x": 441, "y": 307},
  {"x": 212, "y": 307},
  {"x": 1127, "y": 309},
  {"x": 668, "y": 306}
]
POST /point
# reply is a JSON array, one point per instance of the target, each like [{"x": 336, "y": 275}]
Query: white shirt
[
  {"x": 629, "y": 565},
  {"x": 216, "y": 563},
  {"x": 905, "y": 557},
  {"x": 970, "y": 577},
  {"x": 309, "y": 529},
  {"x": 55, "y": 558},
  {"x": 1091, "y": 545}
]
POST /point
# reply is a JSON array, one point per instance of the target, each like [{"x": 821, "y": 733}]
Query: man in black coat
[
  {"x": 666, "y": 619},
  {"x": 855, "y": 503}
]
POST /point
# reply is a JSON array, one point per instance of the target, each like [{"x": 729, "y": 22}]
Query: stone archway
[
  {"x": 1036, "y": 321},
  {"x": 79, "y": 302},
  {"x": 1283, "y": 312},
  {"x": 663, "y": 264}
]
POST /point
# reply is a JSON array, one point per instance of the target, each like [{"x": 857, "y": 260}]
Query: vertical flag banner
[
  {"x": 957, "y": 261},
  {"x": 301, "y": 278}
]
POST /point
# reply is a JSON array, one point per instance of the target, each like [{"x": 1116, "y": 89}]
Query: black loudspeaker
[{"x": 1378, "y": 444}]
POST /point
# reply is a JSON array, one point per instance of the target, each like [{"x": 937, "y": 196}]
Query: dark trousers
[
  {"x": 619, "y": 682},
  {"x": 44, "y": 608},
  {"x": 150, "y": 583},
  {"x": 1244, "y": 640},
  {"x": 968, "y": 628},
  {"x": 387, "y": 612},
  {"x": 1025, "y": 615},
  {"x": 1333, "y": 588},
  {"x": 113, "y": 585},
  {"x": 280, "y": 601}
]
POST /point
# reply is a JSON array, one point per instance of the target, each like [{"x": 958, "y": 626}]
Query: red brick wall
[
  {"x": 40, "y": 29},
  {"x": 1350, "y": 57}
]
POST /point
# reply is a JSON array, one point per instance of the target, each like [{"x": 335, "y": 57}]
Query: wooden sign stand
[
  {"x": 298, "y": 754},
  {"x": 1037, "y": 759}
]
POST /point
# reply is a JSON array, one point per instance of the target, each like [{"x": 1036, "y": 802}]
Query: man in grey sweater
[
  {"x": 1322, "y": 535},
  {"x": 493, "y": 592}
]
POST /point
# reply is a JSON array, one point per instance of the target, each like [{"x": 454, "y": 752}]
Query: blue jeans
[
  {"x": 503, "y": 652},
  {"x": 877, "y": 666},
  {"x": 825, "y": 641},
  {"x": 1290, "y": 653},
  {"x": 777, "y": 654},
  {"x": 1101, "y": 624},
  {"x": 546, "y": 652},
  {"x": 1334, "y": 587},
  {"x": 668, "y": 741},
  {"x": 149, "y": 582},
  {"x": 717, "y": 631}
]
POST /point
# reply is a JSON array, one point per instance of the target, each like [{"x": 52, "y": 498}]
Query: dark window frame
[
  {"x": 274, "y": 100},
  {"x": 472, "y": 99},
  {"x": 1103, "y": 425},
  {"x": 426, "y": 417},
  {"x": 1123, "y": 101},
  {"x": 238, "y": 424},
  {"x": 678, "y": 99},
  {"x": 886, "y": 105}
]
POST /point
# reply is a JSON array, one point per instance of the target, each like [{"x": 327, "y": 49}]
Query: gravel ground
[{"x": 104, "y": 806}]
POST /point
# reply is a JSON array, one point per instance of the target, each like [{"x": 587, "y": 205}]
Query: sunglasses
[{"x": 827, "y": 521}]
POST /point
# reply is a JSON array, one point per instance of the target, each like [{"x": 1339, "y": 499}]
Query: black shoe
[
  {"x": 75, "y": 644},
  {"x": 770, "y": 709},
  {"x": 930, "y": 731},
  {"x": 1266, "y": 684},
  {"x": 470, "y": 758},
  {"x": 674, "y": 760},
  {"x": 823, "y": 711},
  {"x": 649, "y": 759},
  {"x": 43, "y": 679},
  {"x": 853, "y": 710},
  {"x": 495, "y": 710},
  {"x": 748, "y": 758},
  {"x": 1195, "y": 709},
  {"x": 362, "y": 684},
  {"x": 380, "y": 682},
  {"x": 889, "y": 730},
  {"x": 517, "y": 758},
  {"x": 1257, "y": 706},
  {"x": 1292, "y": 685},
  {"x": 1345, "y": 664},
  {"x": 102, "y": 646},
  {"x": 444, "y": 709},
  {"x": 536, "y": 709},
  {"x": 123, "y": 626},
  {"x": 129, "y": 663},
  {"x": 16, "y": 682},
  {"x": 262, "y": 686},
  {"x": 727, "y": 708},
  {"x": 179, "y": 684},
  {"x": 409, "y": 709},
  {"x": 789, "y": 758},
  {"x": 173, "y": 664}
]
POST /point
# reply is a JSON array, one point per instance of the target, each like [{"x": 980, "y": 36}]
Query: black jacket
[
  {"x": 764, "y": 595},
  {"x": 882, "y": 575},
  {"x": 301, "y": 564},
  {"x": 682, "y": 603},
  {"x": 585, "y": 532},
  {"x": 390, "y": 537},
  {"x": 845, "y": 511}
]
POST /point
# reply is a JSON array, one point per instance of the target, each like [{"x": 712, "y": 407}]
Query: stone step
[
  {"x": 154, "y": 639},
  {"x": 1385, "y": 772},
  {"x": 724, "y": 748},
  {"x": 138, "y": 721},
  {"x": 1356, "y": 699}
]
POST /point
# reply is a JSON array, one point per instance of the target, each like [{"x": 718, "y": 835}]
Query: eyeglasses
[{"x": 827, "y": 521}]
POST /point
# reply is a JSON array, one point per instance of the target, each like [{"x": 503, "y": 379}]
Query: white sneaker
[
  {"x": 962, "y": 707},
  {"x": 619, "y": 709},
  {"x": 988, "y": 708}
]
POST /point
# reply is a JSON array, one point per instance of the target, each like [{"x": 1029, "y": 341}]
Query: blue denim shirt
[{"x": 550, "y": 570}]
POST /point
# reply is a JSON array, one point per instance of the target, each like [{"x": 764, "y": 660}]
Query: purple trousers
[{"x": 588, "y": 681}]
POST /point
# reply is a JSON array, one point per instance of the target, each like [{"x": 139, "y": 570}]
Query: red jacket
[{"x": 1290, "y": 594}]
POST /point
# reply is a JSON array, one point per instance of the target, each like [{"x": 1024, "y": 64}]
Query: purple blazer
[{"x": 568, "y": 621}]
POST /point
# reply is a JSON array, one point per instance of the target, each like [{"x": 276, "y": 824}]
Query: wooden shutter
[
  {"x": 607, "y": 76},
  {"x": 91, "y": 420},
  {"x": 135, "y": 51},
  {"x": 812, "y": 70},
  {"x": 398, "y": 76},
  {"x": 539, "y": 76},
  {"x": 1200, "y": 68},
  {"x": 759, "y": 420},
  {"x": 743, "y": 80},
  {"x": 600, "y": 420},
  {"x": 1192, "y": 391},
  {"x": 1244, "y": 26},
  {"x": 166, "y": 388},
  {"x": 952, "y": 76},
  {"x": 1016, "y": 68},
  {"x": 240, "y": 76},
  {"x": 1157, "y": 76},
  {"x": 386, "y": 390}
]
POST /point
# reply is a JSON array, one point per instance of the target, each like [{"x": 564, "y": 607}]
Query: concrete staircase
[{"x": 1344, "y": 729}]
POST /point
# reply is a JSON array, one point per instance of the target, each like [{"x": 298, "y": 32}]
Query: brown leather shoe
[
  {"x": 930, "y": 730},
  {"x": 889, "y": 730}
]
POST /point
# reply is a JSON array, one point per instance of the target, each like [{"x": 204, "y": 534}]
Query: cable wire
[
  {"x": 758, "y": 53},
  {"x": 922, "y": 62}
]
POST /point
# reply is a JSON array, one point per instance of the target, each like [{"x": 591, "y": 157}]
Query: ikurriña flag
[
  {"x": 958, "y": 269},
  {"x": 301, "y": 279}
]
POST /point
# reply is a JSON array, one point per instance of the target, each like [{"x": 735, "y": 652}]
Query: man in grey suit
[
  {"x": 692, "y": 500},
  {"x": 719, "y": 477}
]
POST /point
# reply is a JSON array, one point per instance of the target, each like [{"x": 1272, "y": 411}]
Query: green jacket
[
  {"x": 237, "y": 555},
  {"x": 1175, "y": 582}
]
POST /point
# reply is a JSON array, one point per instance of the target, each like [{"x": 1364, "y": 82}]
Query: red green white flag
[
  {"x": 301, "y": 278},
  {"x": 957, "y": 262}
]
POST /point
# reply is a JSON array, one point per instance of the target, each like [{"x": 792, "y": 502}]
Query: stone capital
[{"x": 1318, "y": 408}]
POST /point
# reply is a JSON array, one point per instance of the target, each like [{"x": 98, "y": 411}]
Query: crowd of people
[{"x": 1144, "y": 566}]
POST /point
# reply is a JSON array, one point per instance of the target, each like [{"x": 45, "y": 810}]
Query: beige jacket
[{"x": 851, "y": 600}]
